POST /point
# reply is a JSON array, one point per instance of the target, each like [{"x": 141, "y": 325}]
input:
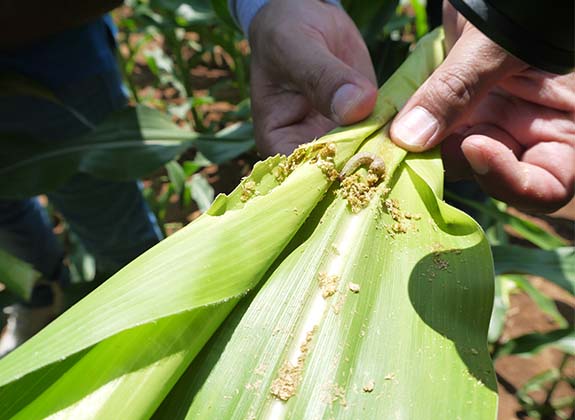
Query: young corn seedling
[{"x": 361, "y": 295}]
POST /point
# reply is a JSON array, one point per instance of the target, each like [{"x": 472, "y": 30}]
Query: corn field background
[{"x": 186, "y": 66}]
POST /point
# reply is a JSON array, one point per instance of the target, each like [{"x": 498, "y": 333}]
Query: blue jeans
[{"x": 111, "y": 219}]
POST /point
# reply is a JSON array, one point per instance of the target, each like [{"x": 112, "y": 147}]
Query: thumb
[
  {"x": 472, "y": 68},
  {"x": 340, "y": 92}
]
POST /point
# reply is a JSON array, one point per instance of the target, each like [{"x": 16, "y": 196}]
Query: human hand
[
  {"x": 310, "y": 72},
  {"x": 509, "y": 125}
]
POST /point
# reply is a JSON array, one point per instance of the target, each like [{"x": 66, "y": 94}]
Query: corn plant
[
  {"x": 374, "y": 302},
  {"x": 172, "y": 60}
]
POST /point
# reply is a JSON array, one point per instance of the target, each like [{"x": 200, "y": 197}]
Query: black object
[
  {"x": 434, "y": 13},
  {"x": 539, "y": 33}
]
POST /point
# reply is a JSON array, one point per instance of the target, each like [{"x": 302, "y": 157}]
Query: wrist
[{"x": 243, "y": 11}]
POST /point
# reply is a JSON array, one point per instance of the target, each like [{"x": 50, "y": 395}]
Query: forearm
[{"x": 23, "y": 22}]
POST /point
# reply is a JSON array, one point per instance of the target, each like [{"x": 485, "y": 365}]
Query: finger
[
  {"x": 454, "y": 162},
  {"x": 550, "y": 90},
  {"x": 528, "y": 122},
  {"x": 472, "y": 68},
  {"x": 284, "y": 140},
  {"x": 525, "y": 184},
  {"x": 456, "y": 165},
  {"x": 282, "y": 119},
  {"x": 340, "y": 92}
]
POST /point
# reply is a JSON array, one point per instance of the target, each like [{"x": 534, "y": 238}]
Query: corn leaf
[
  {"x": 228, "y": 143},
  {"x": 176, "y": 175},
  {"x": 531, "y": 344},
  {"x": 127, "y": 145},
  {"x": 500, "y": 307},
  {"x": 183, "y": 275},
  {"x": 557, "y": 265},
  {"x": 525, "y": 228}
]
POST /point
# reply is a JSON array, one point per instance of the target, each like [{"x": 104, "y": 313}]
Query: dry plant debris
[{"x": 439, "y": 262}]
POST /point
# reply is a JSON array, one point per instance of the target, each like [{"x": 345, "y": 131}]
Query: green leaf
[
  {"x": 191, "y": 282},
  {"x": 500, "y": 307},
  {"x": 18, "y": 276},
  {"x": 557, "y": 266},
  {"x": 421, "y": 26},
  {"x": 538, "y": 382},
  {"x": 531, "y": 344},
  {"x": 228, "y": 143},
  {"x": 127, "y": 145},
  {"x": 201, "y": 191},
  {"x": 527, "y": 229},
  {"x": 177, "y": 176}
]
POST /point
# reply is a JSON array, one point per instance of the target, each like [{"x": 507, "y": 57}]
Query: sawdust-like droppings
[
  {"x": 248, "y": 190},
  {"x": 327, "y": 284},
  {"x": 289, "y": 376},
  {"x": 358, "y": 190},
  {"x": 401, "y": 220},
  {"x": 335, "y": 393},
  {"x": 369, "y": 386}
]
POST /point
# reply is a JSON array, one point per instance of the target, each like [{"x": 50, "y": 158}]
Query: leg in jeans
[{"x": 111, "y": 218}]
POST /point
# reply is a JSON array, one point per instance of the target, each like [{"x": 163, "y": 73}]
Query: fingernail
[
  {"x": 345, "y": 99},
  {"x": 476, "y": 160},
  {"x": 416, "y": 128}
]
